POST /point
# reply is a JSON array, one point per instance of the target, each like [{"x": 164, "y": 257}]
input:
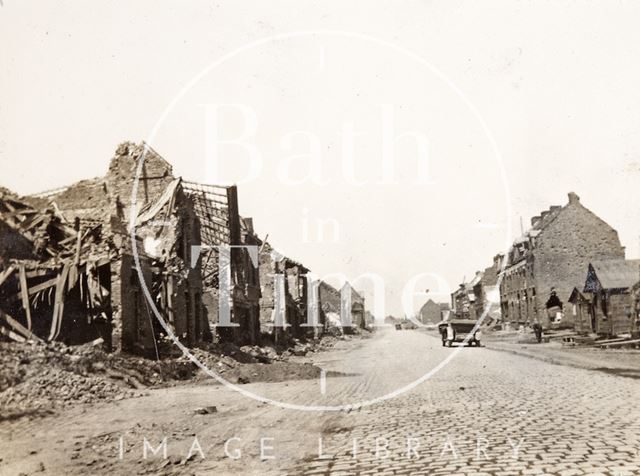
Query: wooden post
[
  {"x": 79, "y": 239},
  {"x": 235, "y": 237},
  {"x": 24, "y": 292},
  {"x": 58, "y": 305}
]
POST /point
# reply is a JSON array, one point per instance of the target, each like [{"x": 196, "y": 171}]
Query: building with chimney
[{"x": 548, "y": 262}]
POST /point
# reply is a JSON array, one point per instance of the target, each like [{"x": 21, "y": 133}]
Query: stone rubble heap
[{"x": 40, "y": 378}]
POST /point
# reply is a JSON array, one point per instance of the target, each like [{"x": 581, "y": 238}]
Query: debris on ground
[
  {"x": 206, "y": 410},
  {"x": 39, "y": 378}
]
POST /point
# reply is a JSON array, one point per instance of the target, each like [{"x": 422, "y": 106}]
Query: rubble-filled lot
[{"x": 37, "y": 379}]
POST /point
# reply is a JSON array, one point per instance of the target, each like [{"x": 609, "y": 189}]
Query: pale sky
[{"x": 556, "y": 85}]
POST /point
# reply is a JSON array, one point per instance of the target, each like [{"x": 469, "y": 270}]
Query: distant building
[
  {"x": 548, "y": 262},
  {"x": 333, "y": 300},
  {"x": 432, "y": 312},
  {"x": 487, "y": 291},
  {"x": 463, "y": 299},
  {"x": 358, "y": 318}
]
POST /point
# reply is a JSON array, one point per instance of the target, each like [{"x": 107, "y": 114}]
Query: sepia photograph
[{"x": 320, "y": 237}]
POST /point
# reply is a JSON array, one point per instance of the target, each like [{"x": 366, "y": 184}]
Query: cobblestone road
[
  {"x": 492, "y": 413},
  {"x": 485, "y": 412}
]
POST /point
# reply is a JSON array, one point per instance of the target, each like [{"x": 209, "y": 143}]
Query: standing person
[
  {"x": 451, "y": 335},
  {"x": 554, "y": 306},
  {"x": 537, "y": 329}
]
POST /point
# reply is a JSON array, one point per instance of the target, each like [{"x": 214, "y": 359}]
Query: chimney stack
[{"x": 573, "y": 198}]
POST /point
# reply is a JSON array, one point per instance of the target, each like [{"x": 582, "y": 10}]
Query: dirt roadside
[
  {"x": 107, "y": 436},
  {"x": 622, "y": 362},
  {"x": 625, "y": 363},
  {"x": 40, "y": 379}
]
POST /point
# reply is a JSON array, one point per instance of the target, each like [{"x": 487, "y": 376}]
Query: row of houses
[
  {"x": 568, "y": 270},
  {"x": 102, "y": 258}
]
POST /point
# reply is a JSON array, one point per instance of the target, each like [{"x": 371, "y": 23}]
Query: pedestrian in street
[{"x": 537, "y": 329}]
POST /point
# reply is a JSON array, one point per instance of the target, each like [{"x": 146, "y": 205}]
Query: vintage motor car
[{"x": 458, "y": 330}]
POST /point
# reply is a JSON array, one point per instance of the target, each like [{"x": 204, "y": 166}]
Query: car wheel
[{"x": 478, "y": 344}]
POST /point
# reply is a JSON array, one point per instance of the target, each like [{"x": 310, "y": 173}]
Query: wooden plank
[
  {"x": 58, "y": 304},
  {"x": 618, "y": 344},
  {"x": 19, "y": 327},
  {"x": 42, "y": 286},
  {"x": 37, "y": 273},
  {"x": 19, "y": 212},
  {"x": 602, "y": 343},
  {"x": 35, "y": 289},
  {"x": 6, "y": 273},
  {"x": 30, "y": 225},
  {"x": 65, "y": 275},
  {"x": 12, "y": 335},
  {"x": 78, "y": 246},
  {"x": 103, "y": 261},
  {"x": 24, "y": 293}
]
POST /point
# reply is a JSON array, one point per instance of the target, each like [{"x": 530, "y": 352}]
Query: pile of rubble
[{"x": 39, "y": 378}]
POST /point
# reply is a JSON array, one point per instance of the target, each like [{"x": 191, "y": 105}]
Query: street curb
[
  {"x": 542, "y": 358},
  {"x": 604, "y": 366}
]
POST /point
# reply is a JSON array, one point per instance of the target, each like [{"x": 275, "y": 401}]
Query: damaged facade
[
  {"x": 229, "y": 261},
  {"x": 54, "y": 277},
  {"x": 103, "y": 257},
  {"x": 165, "y": 230},
  {"x": 332, "y": 301},
  {"x": 287, "y": 281}
]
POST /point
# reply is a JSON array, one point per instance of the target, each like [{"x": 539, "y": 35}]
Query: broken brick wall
[
  {"x": 87, "y": 199},
  {"x": 131, "y": 315},
  {"x": 156, "y": 174},
  {"x": 267, "y": 270}
]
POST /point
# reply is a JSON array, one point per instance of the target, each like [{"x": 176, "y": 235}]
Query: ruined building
[
  {"x": 548, "y": 262},
  {"x": 155, "y": 227},
  {"x": 55, "y": 276},
  {"x": 285, "y": 279},
  {"x": 108, "y": 256},
  {"x": 141, "y": 256},
  {"x": 332, "y": 301},
  {"x": 226, "y": 262}
]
